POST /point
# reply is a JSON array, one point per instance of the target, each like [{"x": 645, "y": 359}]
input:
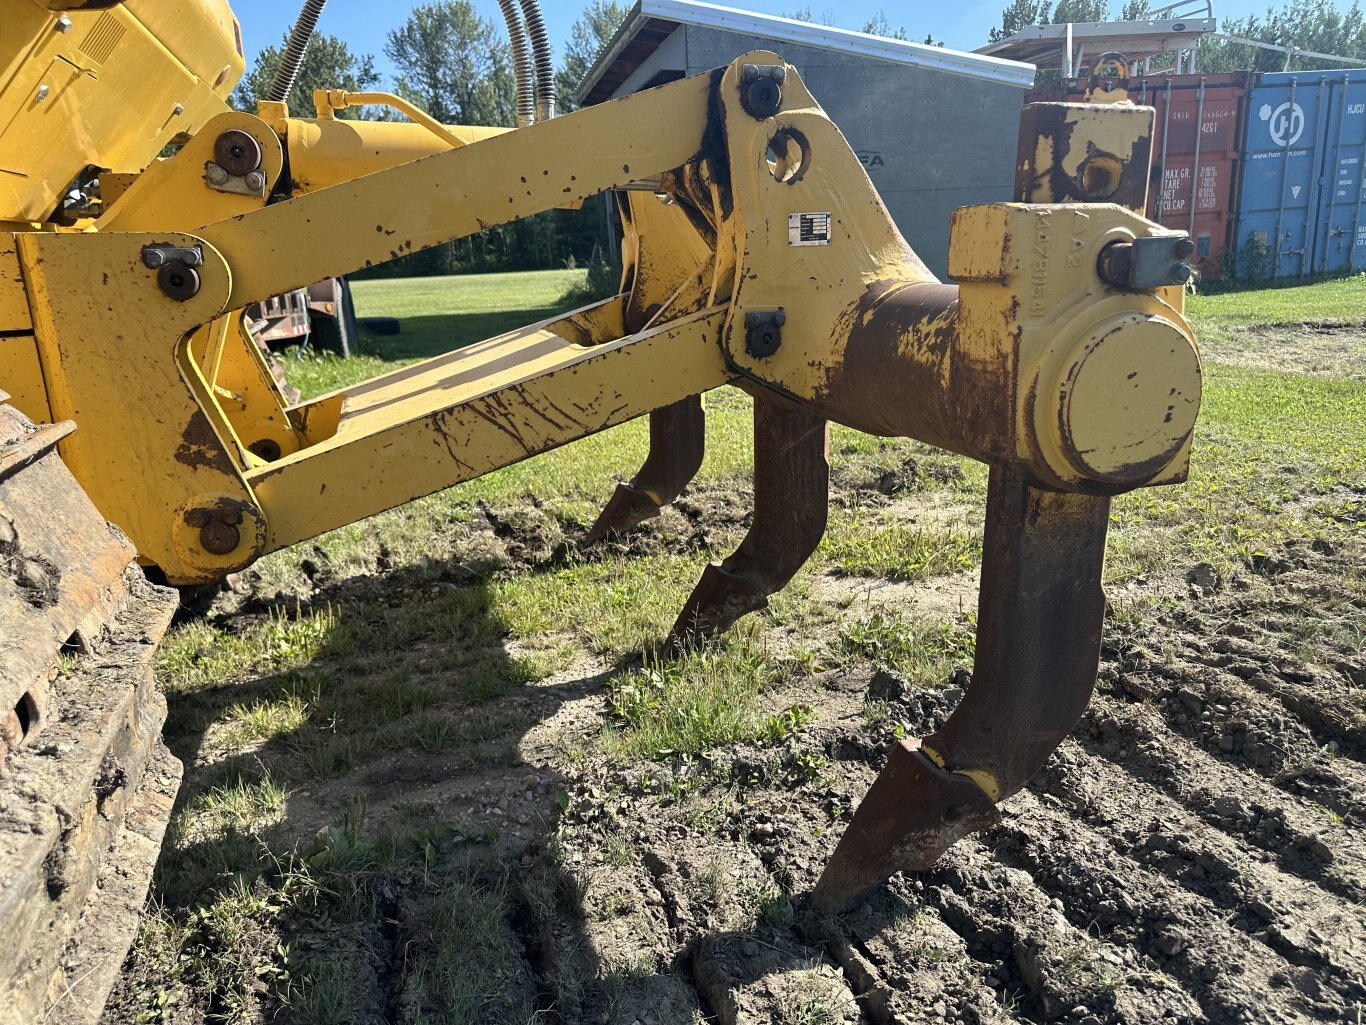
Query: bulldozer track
[{"x": 86, "y": 784}]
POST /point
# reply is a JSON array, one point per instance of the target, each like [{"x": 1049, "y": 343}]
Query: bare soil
[
  {"x": 1193, "y": 854},
  {"x": 1335, "y": 349}
]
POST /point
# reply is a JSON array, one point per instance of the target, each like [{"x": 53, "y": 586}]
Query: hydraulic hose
[
  {"x": 521, "y": 64},
  {"x": 293, "y": 56},
  {"x": 545, "y": 60}
]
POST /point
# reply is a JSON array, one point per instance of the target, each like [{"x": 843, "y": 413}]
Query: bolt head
[
  {"x": 763, "y": 340},
  {"x": 762, "y": 98},
  {"x": 1181, "y": 273},
  {"x": 237, "y": 151},
  {"x": 215, "y": 174},
  {"x": 178, "y": 281},
  {"x": 220, "y": 538}
]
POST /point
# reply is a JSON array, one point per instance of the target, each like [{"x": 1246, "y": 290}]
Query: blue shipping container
[{"x": 1303, "y": 197}]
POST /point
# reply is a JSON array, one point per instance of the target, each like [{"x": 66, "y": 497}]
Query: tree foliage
[
  {"x": 1320, "y": 25},
  {"x": 826, "y": 17},
  {"x": 588, "y": 37},
  {"x": 878, "y": 25},
  {"x": 454, "y": 64},
  {"x": 1023, "y": 13},
  {"x": 457, "y": 66},
  {"x": 328, "y": 64},
  {"x": 1304, "y": 24}
]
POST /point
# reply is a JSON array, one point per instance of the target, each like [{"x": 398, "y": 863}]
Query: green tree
[
  {"x": 328, "y": 64},
  {"x": 588, "y": 37},
  {"x": 458, "y": 67},
  {"x": 1079, "y": 11},
  {"x": 1020, "y": 14},
  {"x": 1134, "y": 10},
  {"x": 878, "y": 25},
  {"x": 454, "y": 64},
  {"x": 1304, "y": 24},
  {"x": 826, "y": 17},
  {"x": 1023, "y": 13}
]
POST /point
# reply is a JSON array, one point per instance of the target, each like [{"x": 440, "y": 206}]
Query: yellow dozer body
[{"x": 756, "y": 253}]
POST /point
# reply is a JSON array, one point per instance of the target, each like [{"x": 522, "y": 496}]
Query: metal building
[{"x": 935, "y": 128}]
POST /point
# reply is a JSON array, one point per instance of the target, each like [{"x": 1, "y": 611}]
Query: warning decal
[{"x": 810, "y": 229}]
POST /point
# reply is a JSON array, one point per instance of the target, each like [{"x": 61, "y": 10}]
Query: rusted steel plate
[
  {"x": 1038, "y": 647},
  {"x": 791, "y": 503},
  {"x": 678, "y": 441},
  {"x": 913, "y": 813},
  {"x": 1084, "y": 153},
  {"x": 1039, "y": 619}
]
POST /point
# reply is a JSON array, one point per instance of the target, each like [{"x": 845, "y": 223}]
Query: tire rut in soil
[
  {"x": 1163, "y": 927},
  {"x": 908, "y": 965},
  {"x": 1246, "y": 808},
  {"x": 1291, "y": 916}
]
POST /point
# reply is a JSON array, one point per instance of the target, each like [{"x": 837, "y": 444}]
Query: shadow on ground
[{"x": 373, "y": 834}]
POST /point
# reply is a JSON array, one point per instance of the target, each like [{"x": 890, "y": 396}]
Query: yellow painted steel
[
  {"x": 327, "y": 102},
  {"x": 457, "y": 193},
  {"x": 1104, "y": 386},
  {"x": 459, "y": 416},
  {"x": 244, "y": 390},
  {"x": 14, "y": 312},
  {"x": 173, "y": 195},
  {"x": 1032, "y": 362},
  {"x": 327, "y": 151},
  {"x": 669, "y": 267},
  {"x": 148, "y": 450},
  {"x": 814, "y": 285},
  {"x": 22, "y": 375},
  {"x": 106, "y": 88}
]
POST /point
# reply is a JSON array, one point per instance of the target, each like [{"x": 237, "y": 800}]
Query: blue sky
[{"x": 364, "y": 24}]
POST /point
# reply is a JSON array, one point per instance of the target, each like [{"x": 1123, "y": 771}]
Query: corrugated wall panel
[
  {"x": 1301, "y": 205},
  {"x": 1340, "y": 227}
]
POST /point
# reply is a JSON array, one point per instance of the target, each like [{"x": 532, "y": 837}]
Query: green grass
[
  {"x": 1342, "y": 299},
  {"x": 702, "y": 700},
  {"x": 1269, "y": 447},
  {"x": 436, "y": 315},
  {"x": 864, "y": 545},
  {"x": 413, "y": 634}
]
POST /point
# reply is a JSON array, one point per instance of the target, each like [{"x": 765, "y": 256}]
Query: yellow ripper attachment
[{"x": 757, "y": 252}]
